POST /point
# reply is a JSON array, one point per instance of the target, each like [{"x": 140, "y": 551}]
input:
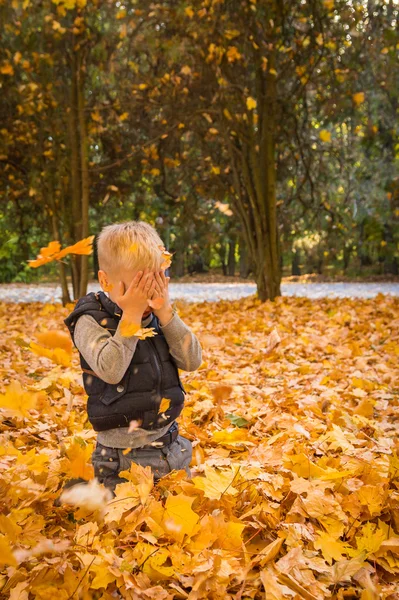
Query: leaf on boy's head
[
  {"x": 134, "y": 247},
  {"x": 167, "y": 260}
]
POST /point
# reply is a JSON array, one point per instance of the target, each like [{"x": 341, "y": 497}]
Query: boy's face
[{"x": 109, "y": 282}]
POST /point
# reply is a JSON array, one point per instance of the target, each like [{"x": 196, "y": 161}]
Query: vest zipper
[{"x": 158, "y": 367}]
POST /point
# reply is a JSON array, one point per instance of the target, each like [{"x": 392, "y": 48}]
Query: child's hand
[
  {"x": 163, "y": 310},
  {"x": 134, "y": 300}
]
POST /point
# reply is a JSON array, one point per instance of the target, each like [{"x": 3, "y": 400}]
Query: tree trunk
[
  {"x": 244, "y": 264},
  {"x": 84, "y": 169},
  {"x": 61, "y": 266},
  {"x": 347, "y": 256},
  {"x": 231, "y": 261},
  {"x": 75, "y": 221},
  {"x": 296, "y": 261},
  {"x": 222, "y": 256}
]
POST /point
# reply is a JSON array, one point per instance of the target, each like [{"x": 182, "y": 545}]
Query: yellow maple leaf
[
  {"x": 372, "y": 496},
  {"x": 84, "y": 246},
  {"x": 189, "y": 11},
  {"x": 155, "y": 566},
  {"x": 251, "y": 103},
  {"x": 142, "y": 479},
  {"x": 126, "y": 498},
  {"x": 370, "y": 538},
  {"x": 216, "y": 483},
  {"x": 53, "y": 251},
  {"x": 6, "y": 555},
  {"x": 179, "y": 519},
  {"x": 103, "y": 576},
  {"x": 331, "y": 548},
  {"x": 230, "y": 438},
  {"x": 77, "y": 460},
  {"x": 325, "y": 135},
  {"x": 17, "y": 400}
]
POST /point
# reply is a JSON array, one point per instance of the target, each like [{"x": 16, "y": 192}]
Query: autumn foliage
[{"x": 295, "y": 463}]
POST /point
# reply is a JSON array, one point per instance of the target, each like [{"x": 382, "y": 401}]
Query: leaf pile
[{"x": 295, "y": 488}]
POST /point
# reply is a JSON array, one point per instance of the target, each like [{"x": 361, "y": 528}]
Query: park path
[{"x": 211, "y": 292}]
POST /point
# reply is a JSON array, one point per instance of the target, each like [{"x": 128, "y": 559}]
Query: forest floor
[{"x": 295, "y": 470}]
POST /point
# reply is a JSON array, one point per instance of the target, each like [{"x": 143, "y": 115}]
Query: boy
[{"x": 127, "y": 378}]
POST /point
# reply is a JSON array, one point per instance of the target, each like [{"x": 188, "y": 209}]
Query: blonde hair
[{"x": 131, "y": 245}]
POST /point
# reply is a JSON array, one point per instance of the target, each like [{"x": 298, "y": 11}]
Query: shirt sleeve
[
  {"x": 183, "y": 344},
  {"x": 108, "y": 355}
]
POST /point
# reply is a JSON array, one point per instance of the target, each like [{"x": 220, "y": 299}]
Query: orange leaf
[{"x": 53, "y": 338}]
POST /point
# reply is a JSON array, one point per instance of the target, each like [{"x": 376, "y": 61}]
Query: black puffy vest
[{"x": 151, "y": 375}]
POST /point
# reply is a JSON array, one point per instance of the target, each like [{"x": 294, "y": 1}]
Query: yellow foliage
[
  {"x": 251, "y": 103},
  {"x": 358, "y": 98},
  {"x": 325, "y": 135}
]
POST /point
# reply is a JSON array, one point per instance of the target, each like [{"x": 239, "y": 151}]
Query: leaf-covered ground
[{"x": 295, "y": 489}]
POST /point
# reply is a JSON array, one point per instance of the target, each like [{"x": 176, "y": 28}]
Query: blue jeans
[{"x": 109, "y": 462}]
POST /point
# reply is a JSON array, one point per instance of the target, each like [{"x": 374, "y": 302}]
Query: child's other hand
[
  {"x": 134, "y": 300},
  {"x": 162, "y": 311}
]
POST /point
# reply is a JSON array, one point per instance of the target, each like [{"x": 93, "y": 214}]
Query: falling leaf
[
  {"x": 134, "y": 424},
  {"x": 164, "y": 405},
  {"x": 91, "y": 496},
  {"x": 57, "y": 355},
  {"x": 53, "y": 251},
  {"x": 54, "y": 338}
]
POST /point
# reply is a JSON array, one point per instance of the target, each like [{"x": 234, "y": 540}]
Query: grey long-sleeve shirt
[{"x": 110, "y": 355}]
